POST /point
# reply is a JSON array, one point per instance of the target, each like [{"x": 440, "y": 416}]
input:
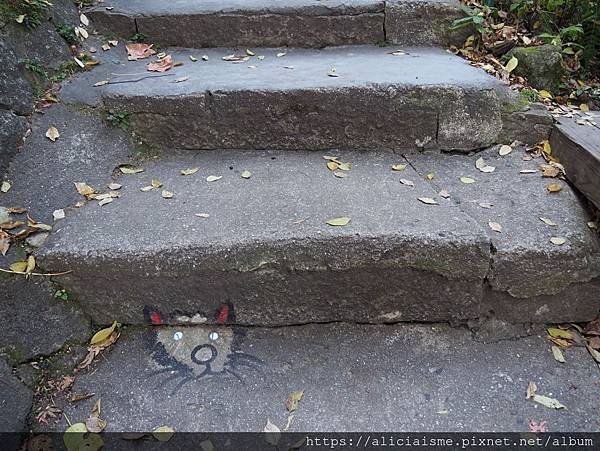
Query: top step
[{"x": 278, "y": 23}]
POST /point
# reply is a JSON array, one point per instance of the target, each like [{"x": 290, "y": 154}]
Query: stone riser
[{"x": 403, "y": 23}]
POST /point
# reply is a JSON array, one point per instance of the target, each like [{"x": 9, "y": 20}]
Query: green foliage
[
  {"x": 36, "y": 68},
  {"x": 574, "y": 25},
  {"x": 62, "y": 294},
  {"x": 118, "y": 119},
  {"x": 531, "y": 95},
  {"x": 67, "y": 32},
  {"x": 64, "y": 71},
  {"x": 138, "y": 37},
  {"x": 29, "y": 13}
]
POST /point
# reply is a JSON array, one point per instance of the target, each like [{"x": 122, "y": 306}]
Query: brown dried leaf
[
  {"x": 137, "y": 51},
  {"x": 161, "y": 65}
]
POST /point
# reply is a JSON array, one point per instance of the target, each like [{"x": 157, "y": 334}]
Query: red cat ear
[
  {"x": 223, "y": 315},
  {"x": 155, "y": 318}
]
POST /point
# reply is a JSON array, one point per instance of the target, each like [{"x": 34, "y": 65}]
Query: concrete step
[
  {"x": 354, "y": 377},
  {"x": 275, "y": 23},
  {"x": 266, "y": 249},
  {"x": 425, "y": 98}
]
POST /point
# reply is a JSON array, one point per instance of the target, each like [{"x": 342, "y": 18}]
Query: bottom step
[
  {"x": 354, "y": 377},
  {"x": 267, "y": 251}
]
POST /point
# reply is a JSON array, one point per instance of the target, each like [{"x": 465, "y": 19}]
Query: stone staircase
[
  {"x": 266, "y": 247},
  {"x": 247, "y": 257}
]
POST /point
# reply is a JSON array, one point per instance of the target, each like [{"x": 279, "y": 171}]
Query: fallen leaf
[
  {"x": 467, "y": 180},
  {"x": 554, "y": 187},
  {"x": 546, "y": 148},
  {"x": 189, "y": 171},
  {"x": 584, "y": 107},
  {"x": 495, "y": 227},
  {"x": 101, "y": 83},
  {"x": 281, "y": 54},
  {"x": 161, "y": 65},
  {"x": 511, "y": 65},
  {"x": 559, "y": 241},
  {"x": 332, "y": 165},
  {"x": 58, "y": 214},
  {"x": 180, "y": 79},
  {"x": 504, "y": 150},
  {"x": 202, "y": 215},
  {"x": 531, "y": 390},
  {"x": 76, "y": 438},
  {"x": 293, "y": 399},
  {"x": 246, "y": 174},
  {"x": 547, "y": 221},
  {"x": 95, "y": 424},
  {"x": 163, "y": 433},
  {"x": 76, "y": 397},
  {"x": 550, "y": 171},
  {"x": 428, "y": 200},
  {"x": 84, "y": 20},
  {"x": 595, "y": 354},
  {"x": 528, "y": 171},
  {"x": 558, "y": 354},
  {"x": 340, "y": 175},
  {"x": 407, "y": 182},
  {"x": 592, "y": 225},
  {"x": 145, "y": 189},
  {"x": 551, "y": 403},
  {"x": 105, "y": 201},
  {"x": 166, "y": 194},
  {"x": 339, "y": 222},
  {"x": 156, "y": 183},
  {"x": 560, "y": 333},
  {"x": 398, "y": 167},
  {"x": 103, "y": 334},
  {"x": 5, "y": 187},
  {"x": 345, "y": 166},
  {"x": 213, "y": 178},
  {"x": 114, "y": 186},
  {"x": 544, "y": 94},
  {"x": 429, "y": 176},
  {"x": 332, "y": 72},
  {"x": 84, "y": 189},
  {"x": 52, "y": 134},
  {"x": 193, "y": 58},
  {"x": 130, "y": 169},
  {"x": 138, "y": 51},
  {"x": 19, "y": 266},
  {"x": 485, "y": 205},
  {"x": 20, "y": 18},
  {"x": 445, "y": 194}
]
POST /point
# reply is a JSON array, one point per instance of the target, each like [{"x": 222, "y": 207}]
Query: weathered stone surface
[
  {"x": 12, "y": 129},
  {"x": 15, "y": 403},
  {"x": 87, "y": 151},
  {"x": 413, "y": 366},
  {"x": 378, "y": 101},
  {"x": 34, "y": 322},
  {"x": 43, "y": 44},
  {"x": 542, "y": 66},
  {"x": 15, "y": 92},
  {"x": 530, "y": 126},
  {"x": 419, "y": 22},
  {"x": 276, "y": 261},
  {"x": 525, "y": 264},
  {"x": 295, "y": 23}
]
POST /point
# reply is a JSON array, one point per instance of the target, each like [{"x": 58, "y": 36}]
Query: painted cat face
[{"x": 193, "y": 350}]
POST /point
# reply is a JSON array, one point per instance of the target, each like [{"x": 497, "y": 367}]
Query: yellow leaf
[
  {"x": 246, "y": 174},
  {"x": 52, "y": 133},
  {"x": 332, "y": 165},
  {"x": 84, "y": 189},
  {"x": 560, "y": 333},
  {"x": 5, "y": 187},
  {"x": 559, "y": 241},
  {"x": 189, "y": 171},
  {"x": 511, "y": 65},
  {"x": 103, "y": 334},
  {"x": 548, "y": 402},
  {"x": 584, "y": 107},
  {"x": 467, "y": 180},
  {"x": 19, "y": 266},
  {"x": 30, "y": 264},
  {"x": 429, "y": 176},
  {"x": 398, "y": 167},
  {"x": 339, "y": 222},
  {"x": 20, "y": 18},
  {"x": 163, "y": 433},
  {"x": 554, "y": 187},
  {"x": 544, "y": 94},
  {"x": 292, "y": 401},
  {"x": 531, "y": 390},
  {"x": 546, "y": 148},
  {"x": 345, "y": 166},
  {"x": 156, "y": 183}
]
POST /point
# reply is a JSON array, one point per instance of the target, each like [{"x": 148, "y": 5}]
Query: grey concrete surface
[
  {"x": 43, "y": 172},
  {"x": 15, "y": 402},
  {"x": 33, "y": 322},
  {"x": 524, "y": 261},
  {"x": 354, "y": 377},
  {"x": 266, "y": 243},
  {"x": 15, "y": 92},
  {"x": 378, "y": 101}
]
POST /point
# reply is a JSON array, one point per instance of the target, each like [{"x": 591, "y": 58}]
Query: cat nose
[{"x": 203, "y": 354}]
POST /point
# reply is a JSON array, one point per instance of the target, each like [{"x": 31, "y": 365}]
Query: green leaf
[
  {"x": 511, "y": 65},
  {"x": 103, "y": 334}
]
